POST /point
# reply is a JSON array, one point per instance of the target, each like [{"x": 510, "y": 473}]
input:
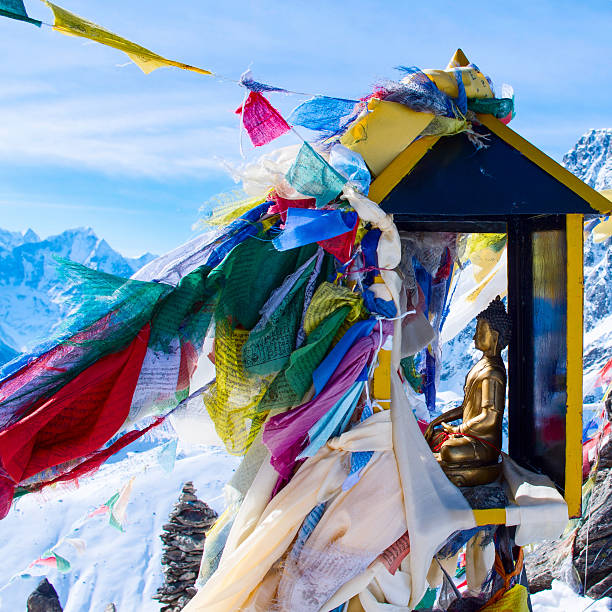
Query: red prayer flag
[
  {"x": 281, "y": 205},
  {"x": 79, "y": 418},
  {"x": 341, "y": 246},
  {"x": 261, "y": 120}
]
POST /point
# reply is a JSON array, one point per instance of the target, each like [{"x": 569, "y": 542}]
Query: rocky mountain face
[
  {"x": 583, "y": 557},
  {"x": 32, "y": 297},
  {"x": 591, "y": 159}
]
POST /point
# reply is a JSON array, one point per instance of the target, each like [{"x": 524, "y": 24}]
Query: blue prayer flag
[
  {"x": 323, "y": 114},
  {"x": 307, "y": 226}
]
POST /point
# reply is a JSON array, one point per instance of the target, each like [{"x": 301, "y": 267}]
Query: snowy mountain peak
[
  {"x": 10, "y": 240},
  {"x": 30, "y": 236},
  {"x": 31, "y": 297},
  {"x": 591, "y": 158}
]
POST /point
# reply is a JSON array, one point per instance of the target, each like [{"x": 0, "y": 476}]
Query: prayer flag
[
  {"x": 49, "y": 560},
  {"x": 603, "y": 230},
  {"x": 605, "y": 376},
  {"x": 246, "y": 80},
  {"x": 261, "y": 120},
  {"x": 14, "y": 9},
  {"x": 80, "y": 417},
  {"x": 117, "y": 506},
  {"x": 306, "y": 226},
  {"x": 341, "y": 246},
  {"x": 73, "y": 25},
  {"x": 311, "y": 175},
  {"x": 324, "y": 114}
]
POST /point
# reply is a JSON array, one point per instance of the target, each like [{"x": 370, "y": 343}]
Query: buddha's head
[{"x": 493, "y": 328}]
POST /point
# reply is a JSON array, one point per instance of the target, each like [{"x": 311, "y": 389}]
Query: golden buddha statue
[{"x": 469, "y": 453}]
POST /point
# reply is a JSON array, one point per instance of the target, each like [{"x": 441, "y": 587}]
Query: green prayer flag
[
  {"x": 63, "y": 565},
  {"x": 14, "y": 9}
]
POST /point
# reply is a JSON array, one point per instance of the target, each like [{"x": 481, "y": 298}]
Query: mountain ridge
[
  {"x": 32, "y": 297},
  {"x": 590, "y": 159}
]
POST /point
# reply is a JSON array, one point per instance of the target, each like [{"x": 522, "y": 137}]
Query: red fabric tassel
[
  {"x": 261, "y": 120},
  {"x": 79, "y": 418}
]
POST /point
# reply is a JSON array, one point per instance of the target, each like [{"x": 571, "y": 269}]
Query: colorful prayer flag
[
  {"x": 323, "y": 114},
  {"x": 306, "y": 226},
  {"x": 14, "y": 9},
  {"x": 73, "y": 25},
  {"x": 117, "y": 506},
  {"x": 47, "y": 561},
  {"x": 311, "y": 175},
  {"x": 246, "y": 80},
  {"x": 261, "y": 120}
]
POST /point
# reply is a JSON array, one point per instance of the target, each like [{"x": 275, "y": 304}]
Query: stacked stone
[{"x": 183, "y": 540}]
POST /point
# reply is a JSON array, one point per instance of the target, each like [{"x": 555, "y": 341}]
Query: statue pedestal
[{"x": 468, "y": 474}]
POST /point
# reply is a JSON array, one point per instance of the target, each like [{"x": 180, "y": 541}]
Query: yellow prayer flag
[
  {"x": 514, "y": 600},
  {"x": 73, "y": 25}
]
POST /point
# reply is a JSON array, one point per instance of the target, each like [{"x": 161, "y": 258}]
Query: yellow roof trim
[
  {"x": 597, "y": 201},
  {"x": 391, "y": 176}
]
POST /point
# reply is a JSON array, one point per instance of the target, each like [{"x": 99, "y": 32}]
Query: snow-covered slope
[
  {"x": 591, "y": 158},
  {"x": 106, "y": 565},
  {"x": 30, "y": 292},
  {"x": 7, "y": 352}
]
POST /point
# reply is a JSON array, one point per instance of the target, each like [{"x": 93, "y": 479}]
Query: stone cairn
[{"x": 183, "y": 540}]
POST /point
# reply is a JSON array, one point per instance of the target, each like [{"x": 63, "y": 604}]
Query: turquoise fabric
[
  {"x": 14, "y": 9},
  {"x": 311, "y": 175}
]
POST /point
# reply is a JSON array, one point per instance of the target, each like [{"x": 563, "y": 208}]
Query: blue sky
[{"x": 86, "y": 140}]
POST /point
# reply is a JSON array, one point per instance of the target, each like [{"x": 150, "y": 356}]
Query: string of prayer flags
[
  {"x": 48, "y": 560},
  {"x": 261, "y": 120},
  {"x": 72, "y": 25},
  {"x": 311, "y": 175},
  {"x": 272, "y": 340},
  {"x": 14, "y": 9}
]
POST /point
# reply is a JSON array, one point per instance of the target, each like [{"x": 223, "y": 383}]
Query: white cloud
[{"x": 171, "y": 134}]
